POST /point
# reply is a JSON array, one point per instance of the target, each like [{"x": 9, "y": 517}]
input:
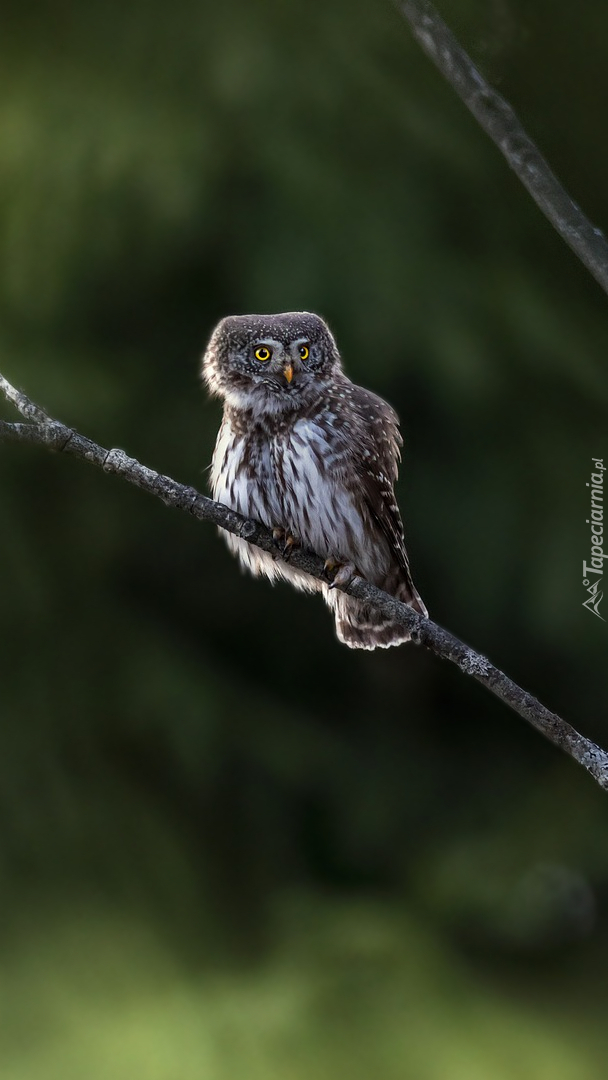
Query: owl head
[{"x": 270, "y": 363}]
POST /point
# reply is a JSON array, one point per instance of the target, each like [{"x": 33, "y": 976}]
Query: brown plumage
[{"x": 303, "y": 449}]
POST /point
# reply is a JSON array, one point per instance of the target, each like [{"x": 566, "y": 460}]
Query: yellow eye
[
  {"x": 304, "y": 352},
  {"x": 263, "y": 353}
]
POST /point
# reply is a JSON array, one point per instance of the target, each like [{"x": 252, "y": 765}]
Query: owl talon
[
  {"x": 278, "y": 539},
  {"x": 342, "y": 573},
  {"x": 328, "y": 569},
  {"x": 285, "y": 542},
  {"x": 290, "y": 544}
]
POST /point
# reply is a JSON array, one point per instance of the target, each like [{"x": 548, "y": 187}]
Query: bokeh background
[{"x": 229, "y": 847}]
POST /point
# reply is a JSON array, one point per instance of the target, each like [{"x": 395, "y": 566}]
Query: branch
[
  {"x": 499, "y": 121},
  {"x": 42, "y": 430}
]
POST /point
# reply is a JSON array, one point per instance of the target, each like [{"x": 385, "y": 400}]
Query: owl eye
[
  {"x": 263, "y": 353},
  {"x": 304, "y": 352}
]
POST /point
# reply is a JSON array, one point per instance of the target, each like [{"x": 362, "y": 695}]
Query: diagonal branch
[
  {"x": 42, "y": 430},
  {"x": 500, "y": 122}
]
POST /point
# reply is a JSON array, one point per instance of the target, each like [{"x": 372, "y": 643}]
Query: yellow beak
[{"x": 288, "y": 372}]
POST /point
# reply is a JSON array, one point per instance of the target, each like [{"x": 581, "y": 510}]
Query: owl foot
[
  {"x": 338, "y": 573},
  {"x": 285, "y": 542}
]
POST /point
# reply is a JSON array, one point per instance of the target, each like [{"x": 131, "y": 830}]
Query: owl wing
[{"x": 376, "y": 456}]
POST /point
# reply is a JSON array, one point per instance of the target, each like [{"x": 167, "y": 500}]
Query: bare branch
[
  {"x": 22, "y": 403},
  {"x": 499, "y": 121},
  {"x": 44, "y": 431}
]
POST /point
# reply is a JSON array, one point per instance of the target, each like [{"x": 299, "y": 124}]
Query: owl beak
[{"x": 288, "y": 372}]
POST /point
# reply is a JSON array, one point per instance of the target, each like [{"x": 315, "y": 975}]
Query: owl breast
[
  {"x": 318, "y": 506},
  {"x": 295, "y": 479}
]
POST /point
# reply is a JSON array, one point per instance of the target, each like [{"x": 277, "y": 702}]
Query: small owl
[{"x": 313, "y": 457}]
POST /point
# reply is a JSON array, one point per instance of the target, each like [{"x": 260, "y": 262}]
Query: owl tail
[{"x": 361, "y": 626}]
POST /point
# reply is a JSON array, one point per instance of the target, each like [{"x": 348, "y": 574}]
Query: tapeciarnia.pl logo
[{"x": 596, "y": 566}]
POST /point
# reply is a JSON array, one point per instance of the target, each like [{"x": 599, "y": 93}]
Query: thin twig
[
  {"x": 44, "y": 431},
  {"x": 500, "y": 122}
]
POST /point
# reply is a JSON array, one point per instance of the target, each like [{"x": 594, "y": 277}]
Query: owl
[{"x": 313, "y": 457}]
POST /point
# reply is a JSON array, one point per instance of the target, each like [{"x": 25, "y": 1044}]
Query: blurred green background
[{"x": 229, "y": 847}]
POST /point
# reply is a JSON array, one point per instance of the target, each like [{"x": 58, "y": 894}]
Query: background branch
[
  {"x": 500, "y": 122},
  {"x": 42, "y": 430}
]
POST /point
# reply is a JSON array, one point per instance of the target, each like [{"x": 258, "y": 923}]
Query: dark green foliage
[{"x": 184, "y": 745}]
